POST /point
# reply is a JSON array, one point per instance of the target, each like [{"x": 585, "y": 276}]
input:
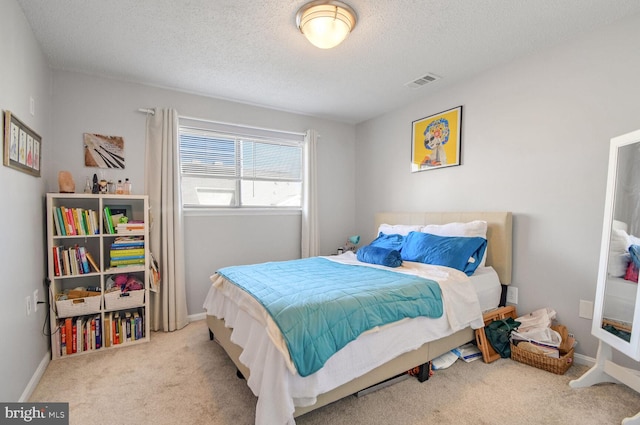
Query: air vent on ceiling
[{"x": 422, "y": 81}]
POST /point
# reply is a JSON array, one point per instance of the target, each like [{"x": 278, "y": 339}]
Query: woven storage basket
[
  {"x": 117, "y": 300},
  {"x": 557, "y": 366},
  {"x": 78, "y": 306}
]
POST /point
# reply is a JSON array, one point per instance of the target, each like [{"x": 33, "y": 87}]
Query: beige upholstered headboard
[{"x": 499, "y": 232}]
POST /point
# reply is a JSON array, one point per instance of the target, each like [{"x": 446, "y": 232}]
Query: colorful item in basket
[{"x": 127, "y": 282}]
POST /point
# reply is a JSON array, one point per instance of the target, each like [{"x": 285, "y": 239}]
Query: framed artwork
[
  {"x": 435, "y": 141},
  {"x": 22, "y": 146},
  {"x": 103, "y": 151}
]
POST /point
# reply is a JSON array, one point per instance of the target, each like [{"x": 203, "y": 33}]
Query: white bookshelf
[{"x": 105, "y": 306}]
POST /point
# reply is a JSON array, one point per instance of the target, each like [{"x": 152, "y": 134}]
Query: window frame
[{"x": 251, "y": 134}]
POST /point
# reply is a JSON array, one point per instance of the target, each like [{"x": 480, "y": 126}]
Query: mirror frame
[{"x": 631, "y": 348}]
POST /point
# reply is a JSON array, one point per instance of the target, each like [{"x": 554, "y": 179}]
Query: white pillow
[
  {"x": 619, "y": 252},
  {"x": 620, "y": 242},
  {"x": 470, "y": 229},
  {"x": 632, "y": 240},
  {"x": 398, "y": 229}
]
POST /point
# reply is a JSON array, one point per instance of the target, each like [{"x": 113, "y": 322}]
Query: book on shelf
[
  {"x": 116, "y": 329},
  {"x": 76, "y": 221},
  {"x": 128, "y": 242},
  {"x": 81, "y": 337},
  {"x": 92, "y": 262},
  {"x": 65, "y": 262},
  {"x": 68, "y": 333},
  {"x": 66, "y": 215},
  {"x": 62, "y": 329},
  {"x": 85, "y": 335},
  {"x": 56, "y": 222},
  {"x": 98, "y": 332},
  {"x": 73, "y": 261},
  {"x": 131, "y": 226},
  {"x": 83, "y": 260},
  {"x": 132, "y": 262},
  {"x": 127, "y": 257},
  {"x": 137, "y": 320},
  {"x": 91, "y": 332},
  {"x": 59, "y": 222},
  {"x": 108, "y": 221},
  {"x": 120, "y": 253},
  {"x": 127, "y": 319},
  {"x": 56, "y": 264},
  {"x": 106, "y": 332}
]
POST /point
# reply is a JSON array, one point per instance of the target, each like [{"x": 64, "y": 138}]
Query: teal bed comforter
[{"x": 321, "y": 305}]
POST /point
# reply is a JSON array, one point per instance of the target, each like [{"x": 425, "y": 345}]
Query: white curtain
[
  {"x": 162, "y": 184},
  {"x": 310, "y": 204}
]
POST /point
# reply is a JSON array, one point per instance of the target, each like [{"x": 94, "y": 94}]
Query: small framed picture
[
  {"x": 22, "y": 146},
  {"x": 435, "y": 141}
]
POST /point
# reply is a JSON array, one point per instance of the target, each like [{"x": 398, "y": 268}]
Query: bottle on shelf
[
  {"x": 88, "y": 187},
  {"x": 127, "y": 187},
  {"x": 119, "y": 188}
]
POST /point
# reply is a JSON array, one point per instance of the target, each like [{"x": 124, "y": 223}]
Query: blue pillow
[
  {"x": 634, "y": 250},
  {"x": 458, "y": 252},
  {"x": 388, "y": 241},
  {"x": 378, "y": 255}
]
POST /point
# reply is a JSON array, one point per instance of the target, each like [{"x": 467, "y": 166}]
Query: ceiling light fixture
[{"x": 326, "y": 23}]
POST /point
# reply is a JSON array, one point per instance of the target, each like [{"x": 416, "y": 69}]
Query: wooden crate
[{"x": 488, "y": 353}]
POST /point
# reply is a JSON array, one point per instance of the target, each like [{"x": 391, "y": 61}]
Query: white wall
[
  {"x": 87, "y": 104},
  {"x": 23, "y": 74},
  {"x": 535, "y": 142}
]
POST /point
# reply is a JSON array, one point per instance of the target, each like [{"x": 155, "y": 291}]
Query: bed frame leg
[
  {"x": 210, "y": 334},
  {"x": 424, "y": 371}
]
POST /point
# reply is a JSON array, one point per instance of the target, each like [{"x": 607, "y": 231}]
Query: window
[{"x": 228, "y": 166}]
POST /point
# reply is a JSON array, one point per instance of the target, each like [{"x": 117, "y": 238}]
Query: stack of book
[
  {"x": 127, "y": 251},
  {"x": 130, "y": 227}
]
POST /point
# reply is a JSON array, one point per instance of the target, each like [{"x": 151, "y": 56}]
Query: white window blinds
[{"x": 226, "y": 165}]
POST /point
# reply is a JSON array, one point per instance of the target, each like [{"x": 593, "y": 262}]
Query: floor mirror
[{"x": 616, "y": 315}]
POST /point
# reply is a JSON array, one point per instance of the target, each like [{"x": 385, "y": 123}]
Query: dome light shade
[{"x": 326, "y": 23}]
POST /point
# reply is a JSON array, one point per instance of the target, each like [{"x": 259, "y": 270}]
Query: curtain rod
[{"x": 152, "y": 112}]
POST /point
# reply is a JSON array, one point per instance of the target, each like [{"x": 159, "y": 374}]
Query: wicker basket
[
  {"x": 117, "y": 300},
  {"x": 78, "y": 306},
  {"x": 550, "y": 364}
]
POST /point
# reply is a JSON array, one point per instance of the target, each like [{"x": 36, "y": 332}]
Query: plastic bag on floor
[
  {"x": 546, "y": 336},
  {"x": 539, "y": 319}
]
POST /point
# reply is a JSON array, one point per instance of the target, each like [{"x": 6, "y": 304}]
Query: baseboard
[
  {"x": 35, "y": 379},
  {"x": 196, "y": 317},
  {"x": 584, "y": 360}
]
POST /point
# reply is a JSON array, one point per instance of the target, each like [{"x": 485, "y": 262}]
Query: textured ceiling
[{"x": 252, "y": 52}]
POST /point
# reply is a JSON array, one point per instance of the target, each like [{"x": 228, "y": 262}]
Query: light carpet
[{"x": 184, "y": 378}]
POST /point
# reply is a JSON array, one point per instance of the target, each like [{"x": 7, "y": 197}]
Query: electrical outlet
[
  {"x": 36, "y": 298},
  {"x": 512, "y": 294},
  {"x": 28, "y": 303}
]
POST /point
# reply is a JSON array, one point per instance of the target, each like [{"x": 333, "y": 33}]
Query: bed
[{"x": 241, "y": 326}]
